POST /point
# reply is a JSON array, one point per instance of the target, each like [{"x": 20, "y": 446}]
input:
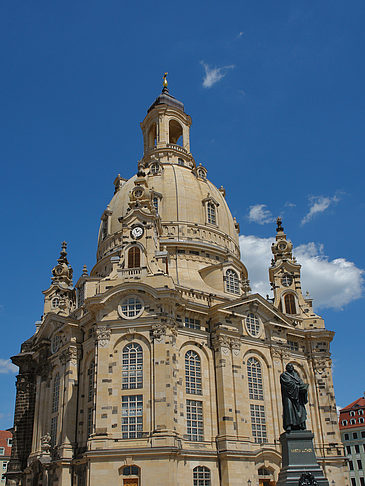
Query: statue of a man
[{"x": 294, "y": 394}]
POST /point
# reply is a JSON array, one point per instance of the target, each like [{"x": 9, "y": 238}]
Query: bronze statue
[{"x": 294, "y": 394}]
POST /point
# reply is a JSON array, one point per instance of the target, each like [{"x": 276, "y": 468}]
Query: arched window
[
  {"x": 201, "y": 476},
  {"x": 155, "y": 203},
  {"x": 132, "y": 372},
  {"x": 175, "y": 132},
  {"x": 56, "y": 393},
  {"x": 193, "y": 378},
  {"x": 254, "y": 375},
  {"x": 134, "y": 257},
  {"x": 152, "y": 136},
  {"x": 91, "y": 375},
  {"x": 232, "y": 282},
  {"x": 201, "y": 173},
  {"x": 211, "y": 213},
  {"x": 290, "y": 307}
]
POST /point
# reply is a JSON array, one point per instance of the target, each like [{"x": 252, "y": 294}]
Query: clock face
[
  {"x": 287, "y": 280},
  {"x": 282, "y": 246},
  {"x": 137, "y": 232}
]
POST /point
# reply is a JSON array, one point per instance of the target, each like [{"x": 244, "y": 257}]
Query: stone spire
[
  {"x": 281, "y": 249},
  {"x": 62, "y": 272}
]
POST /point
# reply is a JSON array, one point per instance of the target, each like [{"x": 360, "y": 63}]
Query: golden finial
[{"x": 165, "y": 80}]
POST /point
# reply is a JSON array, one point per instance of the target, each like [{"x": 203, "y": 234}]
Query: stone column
[{"x": 164, "y": 402}]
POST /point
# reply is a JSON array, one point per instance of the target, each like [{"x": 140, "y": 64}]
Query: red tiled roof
[
  {"x": 4, "y": 436},
  {"x": 360, "y": 402},
  {"x": 355, "y": 407}
]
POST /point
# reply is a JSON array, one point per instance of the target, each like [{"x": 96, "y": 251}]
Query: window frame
[
  {"x": 193, "y": 375},
  {"x": 232, "y": 281},
  {"x": 132, "y": 356},
  {"x": 254, "y": 379},
  {"x": 132, "y": 416},
  {"x": 194, "y": 420}
]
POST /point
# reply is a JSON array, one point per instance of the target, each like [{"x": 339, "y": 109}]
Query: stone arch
[{"x": 175, "y": 132}]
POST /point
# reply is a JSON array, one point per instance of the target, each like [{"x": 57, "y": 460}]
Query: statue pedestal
[{"x": 298, "y": 458}]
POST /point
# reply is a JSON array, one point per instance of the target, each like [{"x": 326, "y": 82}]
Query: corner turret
[
  {"x": 285, "y": 280},
  {"x": 60, "y": 296}
]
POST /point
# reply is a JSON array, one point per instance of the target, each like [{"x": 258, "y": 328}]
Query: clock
[
  {"x": 287, "y": 280},
  {"x": 137, "y": 232}
]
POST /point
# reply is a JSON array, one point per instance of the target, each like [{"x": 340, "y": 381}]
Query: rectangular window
[
  {"x": 353, "y": 482},
  {"x": 293, "y": 345},
  {"x": 2, "y": 451},
  {"x": 132, "y": 416},
  {"x": 363, "y": 434},
  {"x": 357, "y": 449},
  {"x": 54, "y": 421},
  {"x": 192, "y": 323},
  {"x": 10, "y": 441},
  {"x": 80, "y": 295},
  {"x": 348, "y": 449},
  {"x": 258, "y": 423},
  {"x": 354, "y": 435},
  {"x": 90, "y": 412},
  {"x": 359, "y": 464},
  {"x": 5, "y": 465},
  {"x": 351, "y": 465},
  {"x": 194, "y": 417},
  {"x": 346, "y": 436},
  {"x": 362, "y": 482}
]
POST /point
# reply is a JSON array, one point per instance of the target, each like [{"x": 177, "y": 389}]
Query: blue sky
[{"x": 276, "y": 94}]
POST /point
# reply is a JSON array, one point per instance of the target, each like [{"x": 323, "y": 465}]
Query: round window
[
  {"x": 130, "y": 308},
  {"x": 287, "y": 280},
  {"x": 253, "y": 325},
  {"x": 138, "y": 192}
]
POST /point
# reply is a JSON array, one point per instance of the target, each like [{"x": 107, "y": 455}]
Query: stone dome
[{"x": 182, "y": 197}]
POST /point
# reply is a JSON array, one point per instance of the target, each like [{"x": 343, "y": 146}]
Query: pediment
[{"x": 257, "y": 304}]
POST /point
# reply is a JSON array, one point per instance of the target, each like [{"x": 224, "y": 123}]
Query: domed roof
[{"x": 182, "y": 201}]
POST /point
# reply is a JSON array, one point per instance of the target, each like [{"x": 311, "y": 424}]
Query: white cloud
[
  {"x": 331, "y": 283},
  {"x": 318, "y": 204},
  {"x": 6, "y": 366},
  {"x": 259, "y": 214},
  {"x": 213, "y": 74},
  {"x": 240, "y": 34}
]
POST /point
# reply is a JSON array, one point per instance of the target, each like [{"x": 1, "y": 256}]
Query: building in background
[
  {"x": 5, "y": 452},
  {"x": 352, "y": 427},
  {"x": 161, "y": 366}
]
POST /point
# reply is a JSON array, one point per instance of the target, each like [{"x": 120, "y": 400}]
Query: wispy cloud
[
  {"x": 318, "y": 204},
  {"x": 240, "y": 34},
  {"x": 332, "y": 283},
  {"x": 259, "y": 214},
  {"x": 214, "y": 74},
  {"x": 6, "y": 366}
]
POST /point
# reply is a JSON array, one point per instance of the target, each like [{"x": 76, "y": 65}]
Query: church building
[{"x": 160, "y": 366}]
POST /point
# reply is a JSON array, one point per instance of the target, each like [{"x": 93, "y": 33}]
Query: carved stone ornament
[
  {"x": 320, "y": 364},
  {"x": 221, "y": 343},
  {"x": 236, "y": 346},
  {"x": 69, "y": 354},
  {"x": 46, "y": 443},
  {"x": 168, "y": 328},
  {"x": 24, "y": 383},
  {"x": 103, "y": 336},
  {"x": 280, "y": 353}
]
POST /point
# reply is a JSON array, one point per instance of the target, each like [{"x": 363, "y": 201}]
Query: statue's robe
[{"x": 294, "y": 395}]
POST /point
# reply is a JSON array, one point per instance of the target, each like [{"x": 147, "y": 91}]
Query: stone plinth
[{"x": 298, "y": 458}]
